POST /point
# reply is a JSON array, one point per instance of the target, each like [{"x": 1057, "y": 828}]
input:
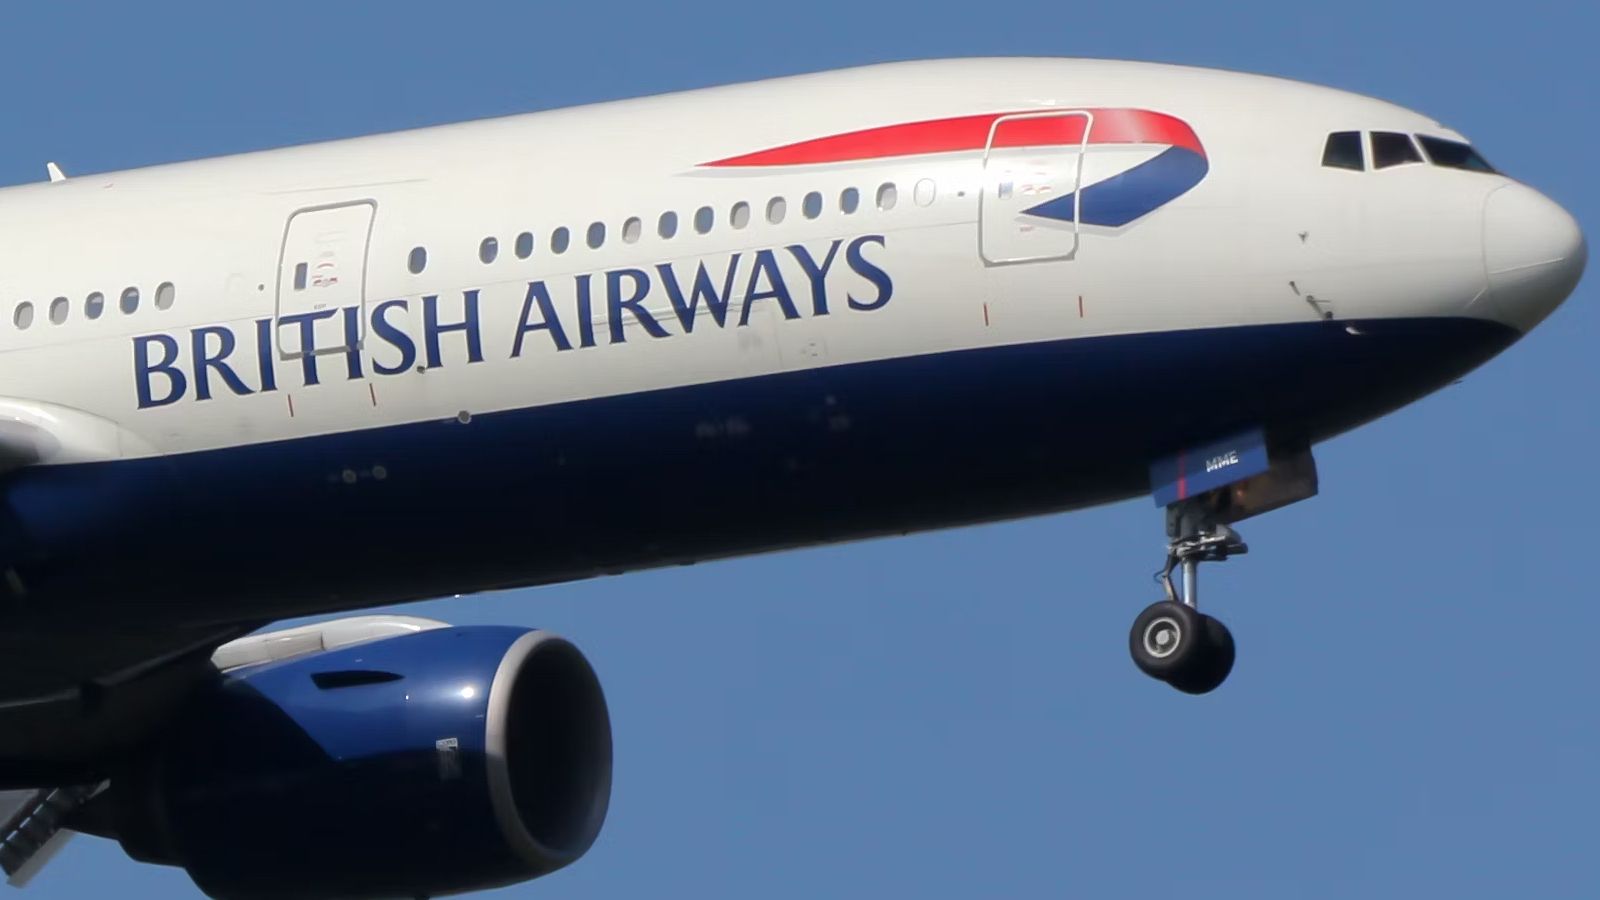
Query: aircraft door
[
  {"x": 322, "y": 280},
  {"x": 1030, "y": 160}
]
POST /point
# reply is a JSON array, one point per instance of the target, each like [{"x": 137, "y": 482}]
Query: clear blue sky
[{"x": 954, "y": 715}]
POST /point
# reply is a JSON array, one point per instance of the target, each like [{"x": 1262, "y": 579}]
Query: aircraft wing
[
  {"x": 34, "y": 432},
  {"x": 43, "y": 668},
  {"x": 10, "y": 803},
  {"x": 65, "y": 697},
  {"x": 69, "y": 699},
  {"x": 23, "y": 818},
  {"x": 14, "y": 809}
]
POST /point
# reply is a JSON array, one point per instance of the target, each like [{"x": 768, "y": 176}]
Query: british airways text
[{"x": 201, "y": 365}]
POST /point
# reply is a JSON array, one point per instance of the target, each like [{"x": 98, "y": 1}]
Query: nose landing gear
[
  {"x": 1204, "y": 490},
  {"x": 1172, "y": 640}
]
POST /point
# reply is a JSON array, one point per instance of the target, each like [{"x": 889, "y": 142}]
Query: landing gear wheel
[
  {"x": 1168, "y": 640},
  {"x": 1214, "y": 663},
  {"x": 1185, "y": 648}
]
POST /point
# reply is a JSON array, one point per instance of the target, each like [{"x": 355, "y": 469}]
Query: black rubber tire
[
  {"x": 1186, "y": 646},
  {"x": 1212, "y": 666}
]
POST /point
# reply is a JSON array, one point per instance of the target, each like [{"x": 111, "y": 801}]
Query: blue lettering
[
  {"x": 394, "y": 337},
  {"x": 265, "y": 361},
  {"x": 585, "y": 313},
  {"x": 143, "y": 368},
  {"x": 308, "y": 339},
  {"x": 615, "y": 304},
  {"x": 817, "y": 274},
  {"x": 206, "y": 362},
  {"x": 703, "y": 288},
  {"x": 766, "y": 265},
  {"x": 538, "y": 294},
  {"x": 213, "y": 347},
  {"x": 352, "y": 342},
  {"x": 870, "y": 272},
  {"x": 431, "y": 329}
]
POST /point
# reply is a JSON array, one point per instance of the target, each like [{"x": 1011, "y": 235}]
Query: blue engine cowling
[{"x": 444, "y": 761}]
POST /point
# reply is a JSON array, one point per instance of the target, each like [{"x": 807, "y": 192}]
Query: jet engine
[{"x": 442, "y": 761}]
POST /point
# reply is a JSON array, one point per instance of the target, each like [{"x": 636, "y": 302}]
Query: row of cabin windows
[
  {"x": 1347, "y": 150},
  {"x": 94, "y": 305},
  {"x": 703, "y": 221}
]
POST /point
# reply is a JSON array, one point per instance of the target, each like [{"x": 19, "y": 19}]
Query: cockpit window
[
  {"x": 1454, "y": 154},
  {"x": 1390, "y": 148},
  {"x": 1343, "y": 151}
]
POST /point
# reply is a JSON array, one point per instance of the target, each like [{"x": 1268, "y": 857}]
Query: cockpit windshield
[
  {"x": 1345, "y": 150},
  {"x": 1453, "y": 154},
  {"x": 1391, "y": 148}
]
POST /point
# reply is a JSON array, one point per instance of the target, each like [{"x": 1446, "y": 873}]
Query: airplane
[{"x": 660, "y": 331}]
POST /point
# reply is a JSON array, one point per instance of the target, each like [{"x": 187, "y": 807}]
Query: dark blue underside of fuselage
[{"x": 567, "y": 491}]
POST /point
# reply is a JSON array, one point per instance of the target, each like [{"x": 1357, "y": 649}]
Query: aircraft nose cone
[{"x": 1534, "y": 253}]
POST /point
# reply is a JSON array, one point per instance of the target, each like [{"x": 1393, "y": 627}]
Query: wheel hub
[{"x": 1162, "y": 637}]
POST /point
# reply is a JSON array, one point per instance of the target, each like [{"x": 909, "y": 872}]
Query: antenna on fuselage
[{"x": 55, "y": 172}]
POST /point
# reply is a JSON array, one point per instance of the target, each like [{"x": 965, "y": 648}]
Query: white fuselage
[{"x": 364, "y": 261}]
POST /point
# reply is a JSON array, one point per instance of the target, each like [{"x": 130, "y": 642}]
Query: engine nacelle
[{"x": 443, "y": 761}]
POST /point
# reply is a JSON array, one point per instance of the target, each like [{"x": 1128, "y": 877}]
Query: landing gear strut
[{"x": 1172, "y": 640}]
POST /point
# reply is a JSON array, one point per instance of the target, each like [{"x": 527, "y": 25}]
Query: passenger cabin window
[
  {"x": 1344, "y": 151},
  {"x": 58, "y": 310},
  {"x": 165, "y": 294},
  {"x": 489, "y": 250},
  {"x": 130, "y": 301},
  {"x": 667, "y": 227},
  {"x": 560, "y": 239},
  {"x": 777, "y": 208},
  {"x": 739, "y": 217},
  {"x": 524, "y": 246},
  {"x": 300, "y": 272},
  {"x": 1454, "y": 154},
  {"x": 1390, "y": 148},
  {"x": 94, "y": 305},
  {"x": 888, "y": 195},
  {"x": 849, "y": 201},
  {"x": 704, "y": 218},
  {"x": 417, "y": 261},
  {"x": 811, "y": 205},
  {"x": 23, "y": 317},
  {"x": 596, "y": 235},
  {"x": 631, "y": 230}
]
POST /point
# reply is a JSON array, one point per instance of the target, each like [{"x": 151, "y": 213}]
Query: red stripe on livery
[{"x": 1111, "y": 126}]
